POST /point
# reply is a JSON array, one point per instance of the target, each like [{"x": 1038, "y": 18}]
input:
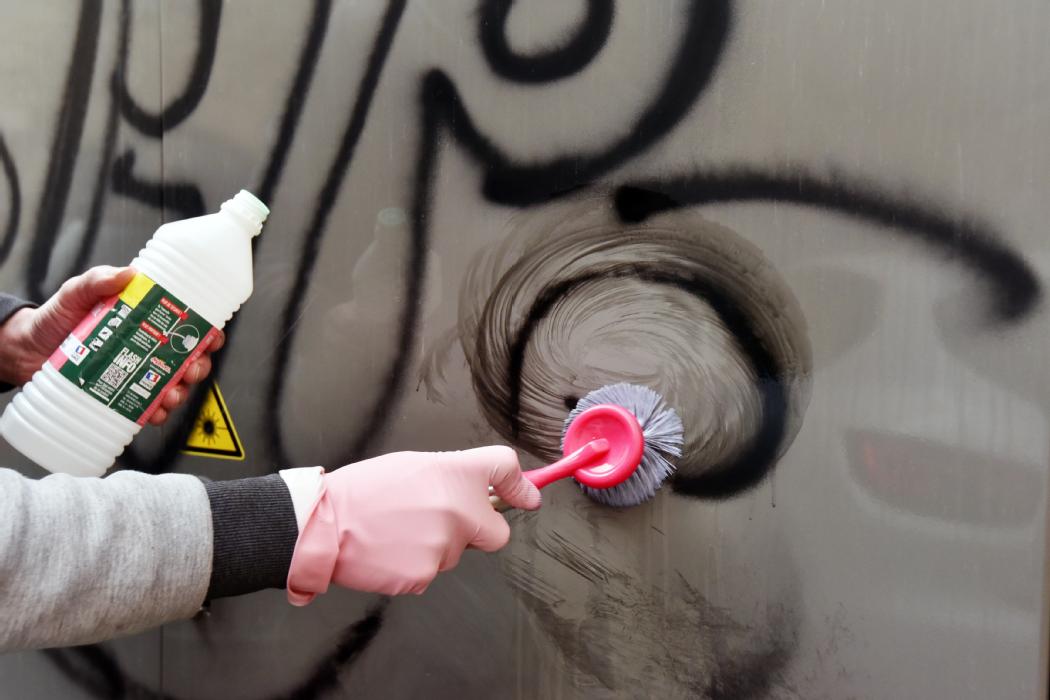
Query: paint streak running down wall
[{"x": 573, "y": 300}]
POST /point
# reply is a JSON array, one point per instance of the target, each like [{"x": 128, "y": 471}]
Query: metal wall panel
[{"x": 860, "y": 185}]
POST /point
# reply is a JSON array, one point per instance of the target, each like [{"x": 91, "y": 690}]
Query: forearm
[{"x": 83, "y": 560}]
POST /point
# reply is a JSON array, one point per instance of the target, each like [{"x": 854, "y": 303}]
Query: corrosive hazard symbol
[{"x": 213, "y": 433}]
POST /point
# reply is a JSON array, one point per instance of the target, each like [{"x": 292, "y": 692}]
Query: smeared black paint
[
  {"x": 14, "y": 201},
  {"x": 315, "y": 233},
  {"x": 65, "y": 146},
  {"x": 181, "y": 107},
  {"x": 1015, "y": 288},
  {"x": 550, "y": 64},
  {"x": 726, "y": 480}
]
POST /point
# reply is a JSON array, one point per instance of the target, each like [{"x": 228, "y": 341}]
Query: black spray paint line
[
  {"x": 699, "y": 52},
  {"x": 183, "y": 198},
  {"x": 14, "y": 201},
  {"x": 154, "y": 125},
  {"x": 109, "y": 143},
  {"x": 296, "y": 99},
  {"x": 550, "y": 64},
  {"x": 172, "y": 447},
  {"x": 415, "y": 277},
  {"x": 315, "y": 230},
  {"x": 96, "y": 671},
  {"x": 517, "y": 184},
  {"x": 1014, "y": 286},
  {"x": 65, "y": 146},
  {"x": 355, "y": 640},
  {"x": 92, "y": 667}
]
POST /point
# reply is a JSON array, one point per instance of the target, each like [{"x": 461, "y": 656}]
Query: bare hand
[{"x": 30, "y": 336}]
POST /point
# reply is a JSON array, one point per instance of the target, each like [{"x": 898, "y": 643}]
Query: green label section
[{"x": 134, "y": 349}]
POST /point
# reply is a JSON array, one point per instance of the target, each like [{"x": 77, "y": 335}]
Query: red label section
[
  {"x": 193, "y": 357},
  {"x": 84, "y": 328}
]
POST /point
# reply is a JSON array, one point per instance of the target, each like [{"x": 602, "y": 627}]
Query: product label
[{"x": 131, "y": 348}]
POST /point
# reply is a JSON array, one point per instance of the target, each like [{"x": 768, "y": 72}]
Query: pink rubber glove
[{"x": 390, "y": 524}]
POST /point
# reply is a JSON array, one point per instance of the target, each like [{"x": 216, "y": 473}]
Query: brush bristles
[{"x": 663, "y": 432}]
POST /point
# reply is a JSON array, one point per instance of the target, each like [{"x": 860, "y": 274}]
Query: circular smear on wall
[{"x": 573, "y": 299}]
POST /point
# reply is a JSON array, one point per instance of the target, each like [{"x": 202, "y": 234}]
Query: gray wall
[{"x": 847, "y": 196}]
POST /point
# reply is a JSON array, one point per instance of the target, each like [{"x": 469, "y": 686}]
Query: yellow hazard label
[
  {"x": 137, "y": 288},
  {"x": 213, "y": 432}
]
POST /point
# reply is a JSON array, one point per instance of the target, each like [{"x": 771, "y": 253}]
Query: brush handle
[{"x": 564, "y": 467}]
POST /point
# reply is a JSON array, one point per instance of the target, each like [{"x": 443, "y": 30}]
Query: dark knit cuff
[
  {"x": 8, "y": 306},
  {"x": 255, "y": 531}
]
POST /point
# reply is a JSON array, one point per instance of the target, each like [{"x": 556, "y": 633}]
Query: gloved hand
[{"x": 390, "y": 524}]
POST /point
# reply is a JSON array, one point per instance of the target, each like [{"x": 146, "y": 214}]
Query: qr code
[{"x": 114, "y": 376}]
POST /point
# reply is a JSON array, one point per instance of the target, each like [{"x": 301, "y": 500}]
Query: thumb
[
  {"x": 81, "y": 293},
  {"x": 498, "y": 466},
  {"x": 509, "y": 483},
  {"x": 75, "y": 299}
]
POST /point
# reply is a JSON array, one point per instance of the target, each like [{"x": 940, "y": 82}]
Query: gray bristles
[{"x": 663, "y": 433}]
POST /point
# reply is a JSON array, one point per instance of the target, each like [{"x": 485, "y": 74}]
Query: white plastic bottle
[{"x": 100, "y": 387}]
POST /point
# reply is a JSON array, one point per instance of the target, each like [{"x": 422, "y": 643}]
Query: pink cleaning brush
[{"x": 617, "y": 445}]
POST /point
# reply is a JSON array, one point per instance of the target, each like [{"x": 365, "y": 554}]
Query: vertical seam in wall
[
  {"x": 164, "y": 219},
  {"x": 1044, "y": 626},
  {"x": 160, "y": 104}
]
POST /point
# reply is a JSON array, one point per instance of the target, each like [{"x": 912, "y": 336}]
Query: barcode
[{"x": 114, "y": 376}]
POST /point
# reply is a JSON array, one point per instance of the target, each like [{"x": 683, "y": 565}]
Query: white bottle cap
[{"x": 250, "y": 208}]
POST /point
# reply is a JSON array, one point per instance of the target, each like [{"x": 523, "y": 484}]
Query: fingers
[
  {"x": 178, "y": 394},
  {"x": 493, "y": 532},
  {"x": 198, "y": 371},
  {"x": 174, "y": 397},
  {"x": 495, "y": 466},
  {"x": 218, "y": 342}
]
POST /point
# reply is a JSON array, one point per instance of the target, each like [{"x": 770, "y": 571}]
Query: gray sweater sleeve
[{"x": 83, "y": 560}]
